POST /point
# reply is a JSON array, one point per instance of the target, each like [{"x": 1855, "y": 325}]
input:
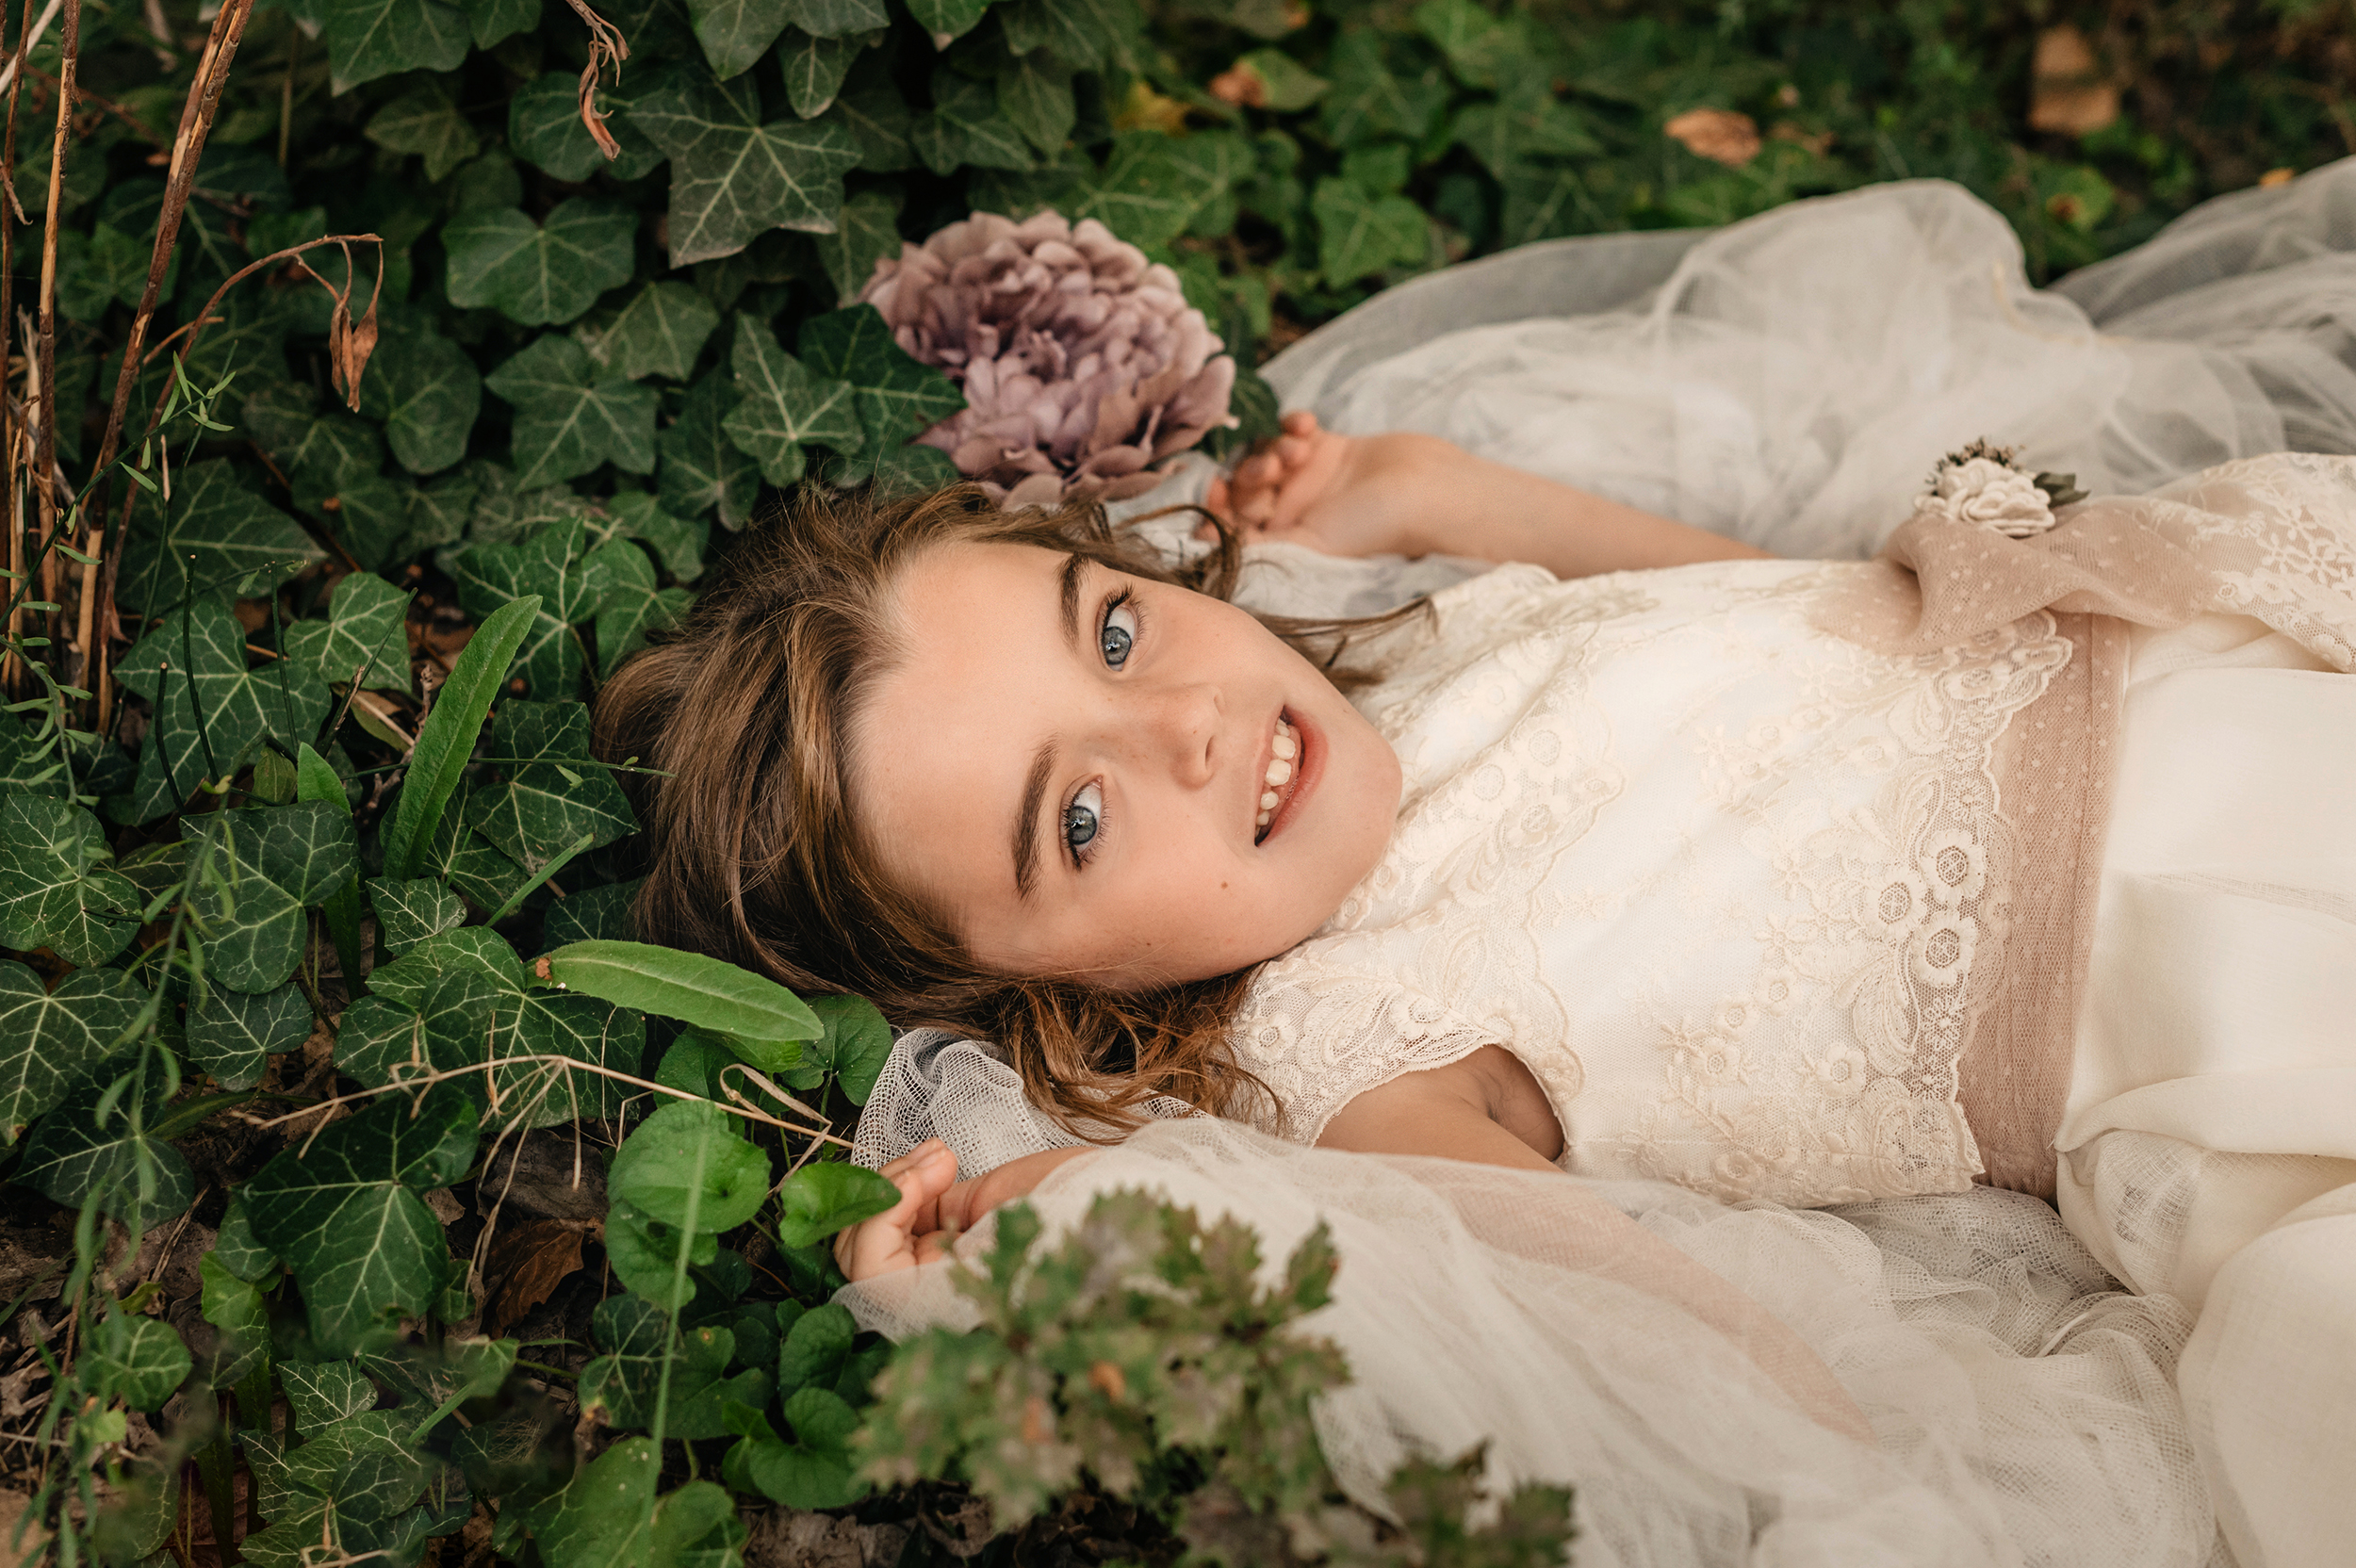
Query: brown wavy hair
[{"x": 757, "y": 851}]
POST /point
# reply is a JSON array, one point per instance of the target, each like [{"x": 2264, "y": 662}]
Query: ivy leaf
[
  {"x": 231, "y": 1035},
  {"x": 539, "y": 273},
  {"x": 814, "y": 68},
  {"x": 344, "y": 1211},
  {"x": 947, "y": 21},
  {"x": 544, "y": 127},
  {"x": 1153, "y": 184},
  {"x": 735, "y": 33},
  {"x": 967, "y": 127},
  {"x": 781, "y": 406},
  {"x": 215, "y": 535},
  {"x": 867, "y": 232},
  {"x": 639, "y": 1340},
  {"x": 1368, "y": 103},
  {"x": 259, "y": 869},
  {"x": 1360, "y": 232},
  {"x": 87, "y": 1147},
  {"x": 836, "y": 18},
  {"x": 1522, "y": 125},
  {"x": 1086, "y": 34},
  {"x": 320, "y": 449},
  {"x": 547, "y": 565},
  {"x": 425, "y": 120},
  {"x": 426, "y": 392},
  {"x": 365, "y": 630},
  {"x": 211, "y": 710},
  {"x": 879, "y": 120},
  {"x": 1474, "y": 42},
  {"x": 568, "y": 418},
  {"x": 322, "y": 1394},
  {"x": 135, "y": 1359},
  {"x": 545, "y": 807},
  {"x": 826, "y": 1194},
  {"x": 1035, "y": 95},
  {"x": 409, "y": 913},
  {"x": 368, "y": 38},
  {"x": 57, "y": 885},
  {"x": 495, "y": 20},
  {"x": 240, "y": 1320},
  {"x": 896, "y": 395},
  {"x": 629, "y": 603},
  {"x": 48, "y": 1037},
  {"x": 677, "y": 541},
  {"x": 732, "y": 177},
  {"x": 701, "y": 469},
  {"x": 658, "y": 332}
]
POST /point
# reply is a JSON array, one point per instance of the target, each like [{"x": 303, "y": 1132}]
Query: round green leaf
[{"x": 686, "y": 1167}]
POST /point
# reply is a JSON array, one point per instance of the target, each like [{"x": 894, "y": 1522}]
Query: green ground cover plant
[{"x": 381, "y": 373}]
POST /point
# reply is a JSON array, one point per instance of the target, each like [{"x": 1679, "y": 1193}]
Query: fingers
[{"x": 890, "y": 1240}]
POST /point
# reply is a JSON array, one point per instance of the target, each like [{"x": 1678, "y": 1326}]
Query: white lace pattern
[{"x": 1724, "y": 882}]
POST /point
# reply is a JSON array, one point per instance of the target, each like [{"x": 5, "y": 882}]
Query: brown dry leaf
[
  {"x": 1721, "y": 136},
  {"x": 2067, "y": 92},
  {"x": 1240, "y": 85},
  {"x": 2273, "y": 177},
  {"x": 605, "y": 44},
  {"x": 1818, "y": 143},
  {"x": 380, "y": 718},
  {"x": 1145, "y": 109},
  {"x": 529, "y": 1261}
]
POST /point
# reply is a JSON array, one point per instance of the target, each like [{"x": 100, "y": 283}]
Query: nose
[{"x": 1182, "y": 729}]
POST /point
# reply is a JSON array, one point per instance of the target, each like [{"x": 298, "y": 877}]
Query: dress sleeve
[{"x": 1319, "y": 1037}]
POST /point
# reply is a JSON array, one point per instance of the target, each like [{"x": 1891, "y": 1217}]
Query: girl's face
[{"x": 1074, "y": 762}]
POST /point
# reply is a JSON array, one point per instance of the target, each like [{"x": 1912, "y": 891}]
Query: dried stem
[
  {"x": 12, "y": 673},
  {"x": 33, "y": 35},
  {"x": 606, "y": 43},
  {"x": 45, "y": 449},
  {"x": 196, "y": 123}
]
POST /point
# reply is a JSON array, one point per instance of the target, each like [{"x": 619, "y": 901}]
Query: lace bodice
[{"x": 1722, "y": 880}]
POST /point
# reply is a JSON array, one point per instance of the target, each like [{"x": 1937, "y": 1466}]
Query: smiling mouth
[{"x": 1279, "y": 780}]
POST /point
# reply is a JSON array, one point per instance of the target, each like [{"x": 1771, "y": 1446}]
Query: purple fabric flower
[{"x": 1081, "y": 361}]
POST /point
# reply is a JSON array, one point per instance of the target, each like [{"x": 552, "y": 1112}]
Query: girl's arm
[
  {"x": 1486, "y": 1108},
  {"x": 1415, "y": 495}
]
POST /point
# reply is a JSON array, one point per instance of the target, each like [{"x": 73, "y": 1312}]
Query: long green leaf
[
  {"x": 314, "y": 779},
  {"x": 690, "y": 986},
  {"x": 449, "y": 736}
]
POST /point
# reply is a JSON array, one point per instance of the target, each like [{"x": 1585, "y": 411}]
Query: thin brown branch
[
  {"x": 147, "y": 132},
  {"x": 12, "y": 673},
  {"x": 46, "y": 360}
]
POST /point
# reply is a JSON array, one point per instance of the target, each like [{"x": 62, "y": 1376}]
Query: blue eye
[
  {"x": 1120, "y": 632},
  {"x": 1082, "y": 820}
]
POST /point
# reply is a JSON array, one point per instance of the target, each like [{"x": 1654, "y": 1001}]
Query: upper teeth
[{"x": 1280, "y": 769}]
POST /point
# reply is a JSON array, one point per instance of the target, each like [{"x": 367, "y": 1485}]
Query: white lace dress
[{"x": 1718, "y": 877}]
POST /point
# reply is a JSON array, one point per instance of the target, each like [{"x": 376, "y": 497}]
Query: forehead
[{"x": 941, "y": 742}]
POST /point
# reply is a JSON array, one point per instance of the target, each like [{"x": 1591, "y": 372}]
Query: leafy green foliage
[
  {"x": 669, "y": 336},
  {"x": 345, "y": 1215}
]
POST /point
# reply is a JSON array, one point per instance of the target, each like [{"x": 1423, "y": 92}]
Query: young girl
[{"x": 1652, "y": 855}]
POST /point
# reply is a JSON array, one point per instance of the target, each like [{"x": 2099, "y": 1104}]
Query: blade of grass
[{"x": 446, "y": 738}]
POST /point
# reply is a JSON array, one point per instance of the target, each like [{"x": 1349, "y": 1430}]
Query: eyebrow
[{"x": 1043, "y": 760}]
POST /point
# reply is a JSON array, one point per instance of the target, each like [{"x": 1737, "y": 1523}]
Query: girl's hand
[
  {"x": 909, "y": 1231},
  {"x": 1339, "y": 494},
  {"x": 934, "y": 1207}
]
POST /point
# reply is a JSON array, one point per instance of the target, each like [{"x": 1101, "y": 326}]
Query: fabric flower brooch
[
  {"x": 1081, "y": 363},
  {"x": 1985, "y": 486}
]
